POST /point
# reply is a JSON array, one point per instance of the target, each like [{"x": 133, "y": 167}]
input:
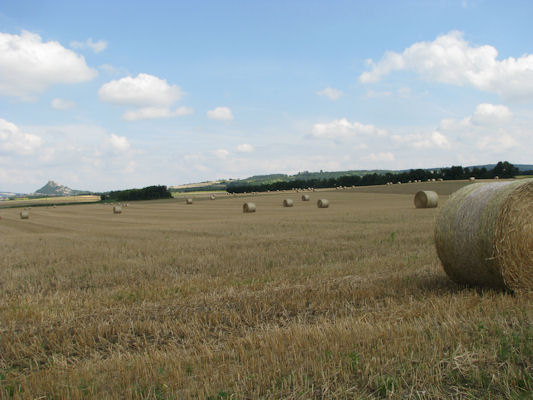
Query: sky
[{"x": 106, "y": 95}]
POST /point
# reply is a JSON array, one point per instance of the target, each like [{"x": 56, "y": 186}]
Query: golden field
[{"x": 174, "y": 301}]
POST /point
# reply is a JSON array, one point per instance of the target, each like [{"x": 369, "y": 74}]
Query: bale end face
[
  {"x": 322, "y": 203},
  {"x": 117, "y": 210},
  {"x": 248, "y": 208},
  {"x": 426, "y": 199},
  {"x": 24, "y": 215},
  {"x": 288, "y": 203},
  {"x": 188, "y": 201},
  {"x": 212, "y": 197},
  {"x": 306, "y": 197},
  {"x": 484, "y": 235}
]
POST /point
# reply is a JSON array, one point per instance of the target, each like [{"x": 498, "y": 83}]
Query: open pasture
[{"x": 169, "y": 300}]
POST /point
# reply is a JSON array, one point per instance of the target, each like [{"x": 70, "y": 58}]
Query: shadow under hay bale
[
  {"x": 248, "y": 208},
  {"x": 484, "y": 235},
  {"x": 426, "y": 199},
  {"x": 288, "y": 203},
  {"x": 322, "y": 203}
]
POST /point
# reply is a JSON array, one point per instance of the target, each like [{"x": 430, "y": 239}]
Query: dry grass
[{"x": 169, "y": 301}]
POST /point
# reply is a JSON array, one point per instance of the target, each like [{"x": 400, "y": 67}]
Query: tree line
[
  {"x": 147, "y": 193},
  {"x": 502, "y": 170}
]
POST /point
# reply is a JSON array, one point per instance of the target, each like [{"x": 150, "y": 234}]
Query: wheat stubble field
[{"x": 173, "y": 301}]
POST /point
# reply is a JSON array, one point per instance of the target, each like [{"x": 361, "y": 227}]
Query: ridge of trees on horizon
[
  {"x": 503, "y": 169},
  {"x": 147, "y": 193}
]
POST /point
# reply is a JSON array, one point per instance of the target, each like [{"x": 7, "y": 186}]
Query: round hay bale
[
  {"x": 212, "y": 197},
  {"x": 117, "y": 210},
  {"x": 472, "y": 179},
  {"x": 248, "y": 208},
  {"x": 24, "y": 215},
  {"x": 322, "y": 203},
  {"x": 305, "y": 197},
  {"x": 288, "y": 203},
  {"x": 426, "y": 199},
  {"x": 496, "y": 177},
  {"x": 188, "y": 200},
  {"x": 484, "y": 235}
]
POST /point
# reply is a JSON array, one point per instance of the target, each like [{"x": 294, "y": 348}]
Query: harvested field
[{"x": 172, "y": 301}]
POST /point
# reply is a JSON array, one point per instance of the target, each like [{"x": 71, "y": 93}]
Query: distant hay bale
[
  {"x": 322, "y": 203},
  {"x": 472, "y": 179},
  {"x": 426, "y": 199},
  {"x": 305, "y": 197},
  {"x": 248, "y": 208},
  {"x": 188, "y": 200},
  {"x": 212, "y": 197},
  {"x": 484, "y": 235},
  {"x": 440, "y": 179},
  {"x": 288, "y": 203},
  {"x": 24, "y": 215},
  {"x": 496, "y": 177},
  {"x": 117, "y": 210}
]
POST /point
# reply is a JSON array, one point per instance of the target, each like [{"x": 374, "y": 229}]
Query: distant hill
[{"x": 53, "y": 188}]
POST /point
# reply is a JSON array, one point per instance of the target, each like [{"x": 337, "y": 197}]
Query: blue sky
[{"x": 108, "y": 95}]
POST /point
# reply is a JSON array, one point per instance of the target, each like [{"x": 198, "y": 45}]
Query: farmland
[{"x": 169, "y": 300}]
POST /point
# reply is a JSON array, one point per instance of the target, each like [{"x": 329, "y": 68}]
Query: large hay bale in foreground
[
  {"x": 24, "y": 215},
  {"x": 426, "y": 199},
  {"x": 322, "y": 203},
  {"x": 288, "y": 203},
  {"x": 484, "y": 235},
  {"x": 305, "y": 197},
  {"x": 248, "y": 208},
  {"x": 117, "y": 210},
  {"x": 188, "y": 201}
]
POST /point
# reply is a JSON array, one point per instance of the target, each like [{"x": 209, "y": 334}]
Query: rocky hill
[{"x": 53, "y": 188}]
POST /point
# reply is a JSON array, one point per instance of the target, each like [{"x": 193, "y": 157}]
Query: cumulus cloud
[
  {"x": 434, "y": 139},
  {"x": 491, "y": 114},
  {"x": 62, "y": 104},
  {"x": 153, "y": 96},
  {"x": 330, "y": 93},
  {"x": 342, "y": 128},
  {"x": 156, "y": 112},
  {"x": 144, "y": 90},
  {"x": 221, "y": 153},
  {"x": 245, "y": 148},
  {"x": 29, "y": 66},
  {"x": 118, "y": 143},
  {"x": 97, "y": 47},
  {"x": 451, "y": 59},
  {"x": 13, "y": 140},
  {"x": 220, "y": 113}
]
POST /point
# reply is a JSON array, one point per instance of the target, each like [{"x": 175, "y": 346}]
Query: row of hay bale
[{"x": 250, "y": 207}]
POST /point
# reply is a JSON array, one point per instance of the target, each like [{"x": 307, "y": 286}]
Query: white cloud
[
  {"x": 245, "y": 148},
  {"x": 13, "y": 140},
  {"x": 143, "y": 91},
  {"x": 384, "y": 156},
  {"x": 221, "y": 153},
  {"x": 29, "y": 66},
  {"x": 424, "y": 141},
  {"x": 451, "y": 59},
  {"x": 491, "y": 114},
  {"x": 330, "y": 93},
  {"x": 220, "y": 113},
  {"x": 97, "y": 47},
  {"x": 156, "y": 112},
  {"x": 342, "y": 128},
  {"x": 62, "y": 104},
  {"x": 372, "y": 94},
  {"x": 118, "y": 143},
  {"x": 497, "y": 144}
]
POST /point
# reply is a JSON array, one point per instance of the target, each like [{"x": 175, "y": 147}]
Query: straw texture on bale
[
  {"x": 248, "y": 208},
  {"x": 288, "y": 203},
  {"x": 484, "y": 235},
  {"x": 24, "y": 215},
  {"x": 188, "y": 201},
  {"x": 322, "y": 203},
  {"x": 306, "y": 197},
  {"x": 117, "y": 210},
  {"x": 426, "y": 199}
]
